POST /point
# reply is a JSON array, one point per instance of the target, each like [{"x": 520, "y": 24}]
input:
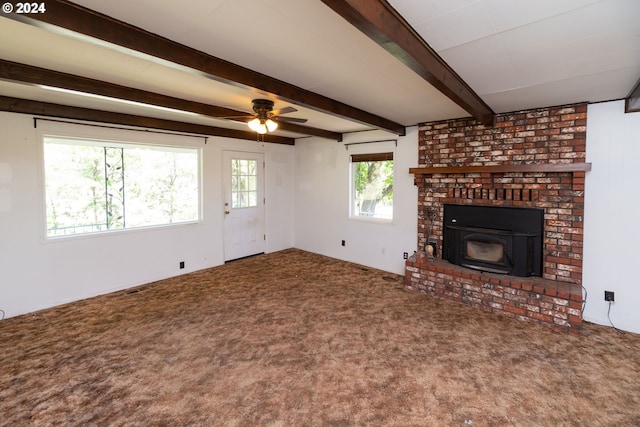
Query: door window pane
[{"x": 244, "y": 183}]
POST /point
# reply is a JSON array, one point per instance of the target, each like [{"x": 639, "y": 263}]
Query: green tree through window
[
  {"x": 93, "y": 186},
  {"x": 372, "y": 193}
]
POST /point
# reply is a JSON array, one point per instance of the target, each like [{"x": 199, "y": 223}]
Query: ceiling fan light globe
[
  {"x": 271, "y": 125},
  {"x": 254, "y": 125}
]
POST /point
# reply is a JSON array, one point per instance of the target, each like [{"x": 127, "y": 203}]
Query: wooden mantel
[{"x": 537, "y": 167}]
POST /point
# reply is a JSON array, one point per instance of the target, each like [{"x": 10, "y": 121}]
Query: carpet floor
[{"x": 298, "y": 339}]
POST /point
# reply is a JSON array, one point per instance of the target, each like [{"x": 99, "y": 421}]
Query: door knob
[{"x": 226, "y": 212}]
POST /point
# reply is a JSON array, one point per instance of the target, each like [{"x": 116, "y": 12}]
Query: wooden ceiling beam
[
  {"x": 384, "y": 25},
  {"x": 39, "y": 76},
  {"x": 63, "y": 15},
  {"x": 632, "y": 101},
  {"x": 26, "y": 106}
]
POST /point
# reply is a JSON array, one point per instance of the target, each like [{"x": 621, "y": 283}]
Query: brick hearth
[{"x": 553, "y": 139}]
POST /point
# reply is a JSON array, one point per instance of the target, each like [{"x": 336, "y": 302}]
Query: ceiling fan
[{"x": 265, "y": 118}]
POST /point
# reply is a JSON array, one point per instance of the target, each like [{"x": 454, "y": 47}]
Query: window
[
  {"x": 244, "y": 183},
  {"x": 96, "y": 186},
  {"x": 372, "y": 185}
]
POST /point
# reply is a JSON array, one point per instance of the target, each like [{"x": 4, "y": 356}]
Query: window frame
[
  {"x": 252, "y": 190},
  {"x": 92, "y": 135},
  {"x": 371, "y": 154}
]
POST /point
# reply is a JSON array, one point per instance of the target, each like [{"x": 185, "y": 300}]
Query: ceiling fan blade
[
  {"x": 248, "y": 116},
  {"x": 291, "y": 119},
  {"x": 226, "y": 111},
  {"x": 285, "y": 110}
]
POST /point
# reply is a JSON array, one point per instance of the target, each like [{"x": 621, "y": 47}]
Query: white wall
[
  {"x": 36, "y": 273},
  {"x": 612, "y": 216},
  {"x": 322, "y": 202}
]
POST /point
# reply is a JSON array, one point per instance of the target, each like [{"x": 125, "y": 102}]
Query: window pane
[
  {"x": 92, "y": 186},
  {"x": 162, "y": 187},
  {"x": 373, "y": 189},
  {"x": 244, "y": 183},
  {"x": 74, "y": 189}
]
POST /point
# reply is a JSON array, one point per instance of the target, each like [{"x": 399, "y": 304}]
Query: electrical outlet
[
  {"x": 405, "y": 255},
  {"x": 181, "y": 264},
  {"x": 344, "y": 243},
  {"x": 609, "y": 296}
]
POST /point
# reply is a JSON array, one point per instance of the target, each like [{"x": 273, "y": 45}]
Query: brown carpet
[{"x": 298, "y": 339}]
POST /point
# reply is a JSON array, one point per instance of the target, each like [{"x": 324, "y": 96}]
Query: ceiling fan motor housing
[{"x": 262, "y": 106}]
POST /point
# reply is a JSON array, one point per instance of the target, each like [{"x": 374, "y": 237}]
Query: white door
[{"x": 243, "y": 204}]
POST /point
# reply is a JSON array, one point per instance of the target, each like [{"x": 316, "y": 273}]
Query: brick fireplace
[{"x": 527, "y": 159}]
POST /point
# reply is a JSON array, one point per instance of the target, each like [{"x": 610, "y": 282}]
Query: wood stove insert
[{"x": 494, "y": 239}]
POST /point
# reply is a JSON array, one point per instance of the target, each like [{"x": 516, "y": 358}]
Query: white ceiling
[
  {"x": 515, "y": 54},
  {"x": 524, "y": 54}
]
